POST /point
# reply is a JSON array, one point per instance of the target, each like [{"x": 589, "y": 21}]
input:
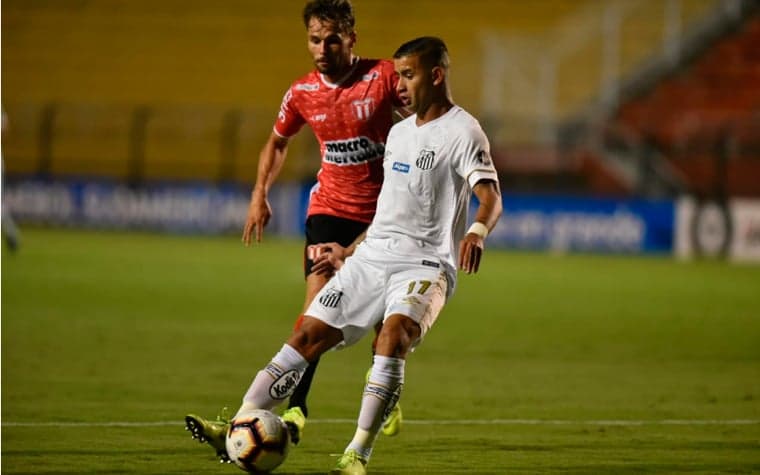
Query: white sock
[
  {"x": 276, "y": 382},
  {"x": 380, "y": 395}
]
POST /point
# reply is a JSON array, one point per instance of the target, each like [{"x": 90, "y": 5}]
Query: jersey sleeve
[
  {"x": 289, "y": 119},
  {"x": 475, "y": 161}
]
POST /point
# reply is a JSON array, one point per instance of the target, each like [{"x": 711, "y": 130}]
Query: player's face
[
  {"x": 329, "y": 47},
  {"x": 414, "y": 82}
]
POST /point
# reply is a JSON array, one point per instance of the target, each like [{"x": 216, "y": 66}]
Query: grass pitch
[{"x": 539, "y": 364}]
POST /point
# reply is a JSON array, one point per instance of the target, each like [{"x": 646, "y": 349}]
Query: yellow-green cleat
[
  {"x": 392, "y": 423},
  {"x": 350, "y": 463},
  {"x": 295, "y": 420},
  {"x": 214, "y": 433}
]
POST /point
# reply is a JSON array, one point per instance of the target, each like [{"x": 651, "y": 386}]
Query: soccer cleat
[
  {"x": 213, "y": 433},
  {"x": 392, "y": 423},
  {"x": 295, "y": 420},
  {"x": 350, "y": 463}
]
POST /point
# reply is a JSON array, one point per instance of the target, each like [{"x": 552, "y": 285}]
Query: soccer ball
[{"x": 257, "y": 441}]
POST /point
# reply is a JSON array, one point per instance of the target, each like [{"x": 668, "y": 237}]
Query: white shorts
[{"x": 372, "y": 285}]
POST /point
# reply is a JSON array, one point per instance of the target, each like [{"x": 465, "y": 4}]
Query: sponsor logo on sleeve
[
  {"x": 371, "y": 76},
  {"x": 308, "y": 86},
  {"x": 284, "y": 105}
]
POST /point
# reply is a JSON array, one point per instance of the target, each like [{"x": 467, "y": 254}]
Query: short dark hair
[
  {"x": 340, "y": 12},
  {"x": 431, "y": 50}
]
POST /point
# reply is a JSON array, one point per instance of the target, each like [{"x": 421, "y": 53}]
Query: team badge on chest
[
  {"x": 363, "y": 108},
  {"x": 425, "y": 159}
]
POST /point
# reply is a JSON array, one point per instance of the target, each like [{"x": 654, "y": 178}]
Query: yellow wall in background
[
  {"x": 227, "y": 52},
  {"x": 191, "y": 61}
]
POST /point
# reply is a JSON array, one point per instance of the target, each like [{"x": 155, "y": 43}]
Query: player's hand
[
  {"x": 470, "y": 252},
  {"x": 259, "y": 213},
  {"x": 327, "y": 257}
]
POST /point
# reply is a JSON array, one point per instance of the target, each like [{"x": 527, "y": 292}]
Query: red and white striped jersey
[{"x": 351, "y": 121}]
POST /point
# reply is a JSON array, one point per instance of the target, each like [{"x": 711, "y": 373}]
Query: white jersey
[{"x": 429, "y": 172}]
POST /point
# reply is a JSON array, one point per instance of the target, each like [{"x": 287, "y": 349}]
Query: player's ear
[
  {"x": 438, "y": 75},
  {"x": 352, "y": 37}
]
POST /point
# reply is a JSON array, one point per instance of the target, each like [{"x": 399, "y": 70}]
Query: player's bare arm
[
  {"x": 471, "y": 246},
  {"x": 271, "y": 158}
]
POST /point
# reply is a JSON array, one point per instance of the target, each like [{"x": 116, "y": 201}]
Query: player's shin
[
  {"x": 276, "y": 382},
  {"x": 380, "y": 396}
]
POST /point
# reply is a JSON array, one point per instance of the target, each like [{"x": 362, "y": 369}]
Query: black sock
[{"x": 298, "y": 399}]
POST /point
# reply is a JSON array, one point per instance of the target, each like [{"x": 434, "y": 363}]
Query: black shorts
[{"x": 322, "y": 228}]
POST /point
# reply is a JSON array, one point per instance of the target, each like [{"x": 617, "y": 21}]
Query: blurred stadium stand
[
  {"x": 628, "y": 97},
  {"x": 703, "y": 119}
]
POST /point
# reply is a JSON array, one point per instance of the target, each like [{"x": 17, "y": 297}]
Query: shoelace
[
  {"x": 224, "y": 415},
  {"x": 347, "y": 458}
]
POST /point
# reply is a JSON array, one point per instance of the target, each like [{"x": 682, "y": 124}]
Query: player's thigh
[
  {"x": 352, "y": 300},
  {"x": 314, "y": 283},
  {"x": 418, "y": 292}
]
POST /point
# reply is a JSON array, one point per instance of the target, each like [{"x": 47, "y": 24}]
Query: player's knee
[{"x": 397, "y": 335}]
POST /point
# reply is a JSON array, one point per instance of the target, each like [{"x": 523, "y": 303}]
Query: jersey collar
[{"x": 354, "y": 64}]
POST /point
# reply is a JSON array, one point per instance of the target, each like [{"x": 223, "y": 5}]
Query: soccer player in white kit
[
  {"x": 348, "y": 101},
  {"x": 405, "y": 269}
]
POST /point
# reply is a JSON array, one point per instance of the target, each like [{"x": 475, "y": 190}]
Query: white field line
[{"x": 432, "y": 422}]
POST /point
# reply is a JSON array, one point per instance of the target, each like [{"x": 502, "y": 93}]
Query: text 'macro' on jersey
[{"x": 351, "y": 121}]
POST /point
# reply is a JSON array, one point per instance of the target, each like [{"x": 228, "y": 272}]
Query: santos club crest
[
  {"x": 331, "y": 298},
  {"x": 425, "y": 159}
]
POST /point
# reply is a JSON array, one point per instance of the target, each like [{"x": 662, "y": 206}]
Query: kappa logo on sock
[{"x": 284, "y": 386}]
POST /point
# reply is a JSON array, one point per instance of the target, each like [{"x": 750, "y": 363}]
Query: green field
[{"x": 539, "y": 364}]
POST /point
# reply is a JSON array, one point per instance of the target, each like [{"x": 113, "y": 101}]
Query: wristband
[{"x": 478, "y": 228}]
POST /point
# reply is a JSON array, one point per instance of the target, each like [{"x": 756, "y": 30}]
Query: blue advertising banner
[
  {"x": 562, "y": 223},
  {"x": 529, "y": 222},
  {"x": 181, "y": 208}
]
